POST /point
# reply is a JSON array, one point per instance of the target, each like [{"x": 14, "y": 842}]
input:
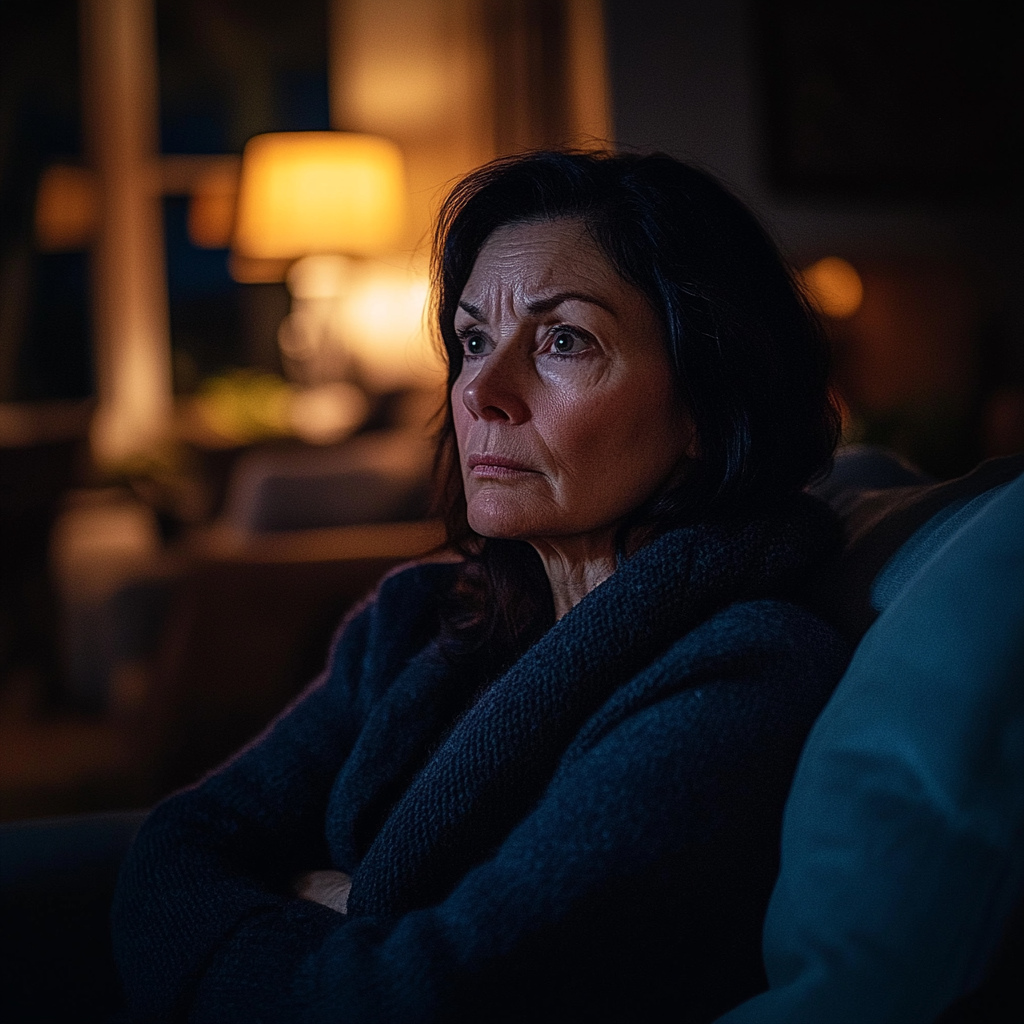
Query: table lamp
[{"x": 313, "y": 201}]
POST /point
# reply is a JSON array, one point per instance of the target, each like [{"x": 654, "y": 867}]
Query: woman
[{"x": 552, "y": 771}]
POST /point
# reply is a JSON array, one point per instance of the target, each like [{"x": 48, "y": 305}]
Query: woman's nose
[{"x": 497, "y": 390}]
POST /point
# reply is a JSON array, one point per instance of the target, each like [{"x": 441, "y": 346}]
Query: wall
[{"x": 942, "y": 328}]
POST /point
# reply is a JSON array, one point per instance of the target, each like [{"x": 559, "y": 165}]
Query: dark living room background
[{"x": 153, "y": 614}]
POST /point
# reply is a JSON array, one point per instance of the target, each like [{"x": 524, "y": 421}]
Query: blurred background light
[
  {"x": 383, "y": 319},
  {"x": 127, "y": 263},
  {"x": 834, "y": 286},
  {"x": 363, "y": 319},
  {"x": 67, "y": 209},
  {"x": 318, "y": 192},
  {"x": 211, "y": 208},
  {"x": 319, "y": 276},
  {"x": 323, "y": 198}
]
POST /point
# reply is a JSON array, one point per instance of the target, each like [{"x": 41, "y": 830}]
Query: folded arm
[
  {"x": 643, "y": 868},
  {"x": 626, "y": 869},
  {"x": 210, "y": 857}
]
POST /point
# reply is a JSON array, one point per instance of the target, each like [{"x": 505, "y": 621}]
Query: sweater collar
[{"x": 496, "y": 761}]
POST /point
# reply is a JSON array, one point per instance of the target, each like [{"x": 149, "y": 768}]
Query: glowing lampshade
[{"x": 318, "y": 192}]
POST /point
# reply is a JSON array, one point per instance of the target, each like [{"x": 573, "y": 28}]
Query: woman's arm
[
  {"x": 209, "y": 857},
  {"x": 644, "y": 868},
  {"x": 212, "y": 856}
]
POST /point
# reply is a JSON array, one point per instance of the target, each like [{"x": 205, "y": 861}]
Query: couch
[{"x": 901, "y": 888}]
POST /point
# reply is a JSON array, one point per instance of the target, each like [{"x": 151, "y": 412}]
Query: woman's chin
[
  {"x": 486, "y": 526},
  {"x": 499, "y": 522}
]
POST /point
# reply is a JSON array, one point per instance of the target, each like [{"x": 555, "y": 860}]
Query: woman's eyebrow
[
  {"x": 540, "y": 306},
  {"x": 553, "y": 301},
  {"x": 474, "y": 311}
]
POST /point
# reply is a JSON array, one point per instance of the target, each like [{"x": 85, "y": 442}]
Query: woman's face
[{"x": 565, "y": 410}]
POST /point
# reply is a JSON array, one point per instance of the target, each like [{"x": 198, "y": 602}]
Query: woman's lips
[{"x": 496, "y": 467}]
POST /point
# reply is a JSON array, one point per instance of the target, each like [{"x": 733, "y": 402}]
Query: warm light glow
[
  {"x": 318, "y": 277},
  {"x": 127, "y": 269},
  {"x": 67, "y": 209},
  {"x": 363, "y": 317},
  {"x": 416, "y": 71},
  {"x": 382, "y": 319},
  {"x": 327, "y": 414},
  {"x": 211, "y": 208},
  {"x": 246, "y": 270},
  {"x": 834, "y": 287},
  {"x": 588, "y": 74},
  {"x": 247, "y": 405},
  {"x": 318, "y": 192}
]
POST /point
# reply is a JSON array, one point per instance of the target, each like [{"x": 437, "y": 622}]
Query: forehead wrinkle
[
  {"x": 531, "y": 276},
  {"x": 529, "y": 298},
  {"x": 546, "y": 305}
]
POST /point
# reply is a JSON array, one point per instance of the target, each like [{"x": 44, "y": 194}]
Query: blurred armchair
[{"x": 248, "y": 627}]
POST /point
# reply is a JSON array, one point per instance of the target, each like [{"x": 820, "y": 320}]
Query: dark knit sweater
[{"x": 594, "y": 839}]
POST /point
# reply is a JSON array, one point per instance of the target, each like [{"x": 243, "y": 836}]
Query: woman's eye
[
  {"x": 566, "y": 343},
  {"x": 475, "y": 345}
]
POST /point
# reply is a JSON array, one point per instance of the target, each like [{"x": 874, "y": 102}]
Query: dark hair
[{"x": 750, "y": 361}]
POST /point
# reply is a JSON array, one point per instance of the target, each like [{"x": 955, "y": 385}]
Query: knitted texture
[{"x": 595, "y": 837}]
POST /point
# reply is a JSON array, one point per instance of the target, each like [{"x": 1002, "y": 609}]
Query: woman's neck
[{"x": 575, "y": 566}]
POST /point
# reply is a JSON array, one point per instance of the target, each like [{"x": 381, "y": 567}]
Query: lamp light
[
  {"x": 213, "y": 195},
  {"x": 834, "y": 286},
  {"x": 318, "y": 192},
  {"x": 309, "y": 204},
  {"x": 67, "y": 209}
]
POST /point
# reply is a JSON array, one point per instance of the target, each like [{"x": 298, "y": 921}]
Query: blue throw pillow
[
  {"x": 908, "y": 561},
  {"x": 903, "y": 840}
]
